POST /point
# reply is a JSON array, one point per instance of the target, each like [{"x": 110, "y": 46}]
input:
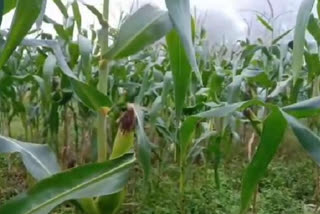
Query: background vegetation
[{"x": 148, "y": 118}]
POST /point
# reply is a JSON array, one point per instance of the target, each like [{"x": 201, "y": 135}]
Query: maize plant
[{"x": 100, "y": 102}]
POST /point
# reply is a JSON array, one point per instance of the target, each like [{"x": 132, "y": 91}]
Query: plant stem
[
  {"x": 103, "y": 87},
  {"x": 102, "y": 120},
  {"x": 181, "y": 187}
]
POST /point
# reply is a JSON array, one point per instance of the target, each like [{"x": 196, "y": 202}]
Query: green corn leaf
[
  {"x": 9, "y": 5},
  {"x": 144, "y": 86},
  {"x": 82, "y": 182},
  {"x": 179, "y": 11},
  {"x": 280, "y": 88},
  {"x": 143, "y": 142},
  {"x": 25, "y": 15},
  {"x": 144, "y": 27},
  {"x": 181, "y": 70},
  {"x": 90, "y": 96},
  {"x": 314, "y": 28},
  {"x": 62, "y": 8},
  {"x": 307, "y": 108},
  {"x": 62, "y": 33},
  {"x": 313, "y": 65},
  {"x": 265, "y": 23},
  {"x": 234, "y": 89},
  {"x": 85, "y": 48},
  {"x": 318, "y": 9},
  {"x": 97, "y": 13},
  {"x": 186, "y": 134},
  {"x": 87, "y": 94},
  {"x": 48, "y": 72},
  {"x": 39, "y": 160},
  {"x": 77, "y": 14},
  {"x": 271, "y": 138},
  {"x": 227, "y": 109},
  {"x": 299, "y": 36},
  {"x": 276, "y": 40},
  {"x": 1, "y": 10},
  {"x": 308, "y": 140},
  {"x": 248, "y": 54}
]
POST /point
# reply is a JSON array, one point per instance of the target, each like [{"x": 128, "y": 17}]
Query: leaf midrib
[
  {"x": 82, "y": 185},
  {"x": 126, "y": 44},
  {"x": 27, "y": 152}
]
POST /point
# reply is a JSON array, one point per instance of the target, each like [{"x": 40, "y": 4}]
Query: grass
[{"x": 288, "y": 188}]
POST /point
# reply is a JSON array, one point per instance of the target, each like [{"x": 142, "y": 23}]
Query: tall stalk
[{"x": 103, "y": 87}]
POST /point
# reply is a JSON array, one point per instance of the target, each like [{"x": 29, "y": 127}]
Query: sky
[{"x": 225, "y": 20}]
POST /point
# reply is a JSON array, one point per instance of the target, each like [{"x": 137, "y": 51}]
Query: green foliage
[
  {"x": 181, "y": 70},
  {"x": 39, "y": 160},
  {"x": 265, "y": 23},
  {"x": 25, "y": 15},
  {"x": 1, "y": 10},
  {"x": 144, "y": 27},
  {"x": 270, "y": 141},
  {"x": 299, "y": 36},
  {"x": 9, "y": 5},
  {"x": 287, "y": 187},
  {"x": 82, "y": 182},
  {"x": 179, "y": 12},
  {"x": 182, "y": 127}
]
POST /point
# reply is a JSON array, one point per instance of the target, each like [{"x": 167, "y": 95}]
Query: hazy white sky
[{"x": 225, "y": 19}]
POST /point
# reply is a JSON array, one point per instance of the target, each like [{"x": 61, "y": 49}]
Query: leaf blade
[
  {"x": 305, "y": 108},
  {"x": 179, "y": 11},
  {"x": 39, "y": 160},
  {"x": 25, "y": 15},
  {"x": 269, "y": 143},
  {"x": 181, "y": 70},
  {"x": 299, "y": 36},
  {"x": 81, "y": 182},
  {"x": 308, "y": 140},
  {"x": 1, "y": 10},
  {"x": 143, "y": 28}
]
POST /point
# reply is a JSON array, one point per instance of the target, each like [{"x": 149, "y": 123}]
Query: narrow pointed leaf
[
  {"x": 299, "y": 36},
  {"x": 62, "y": 8},
  {"x": 144, "y": 27},
  {"x": 87, "y": 181},
  {"x": 265, "y": 23},
  {"x": 39, "y": 160},
  {"x": 87, "y": 94},
  {"x": 186, "y": 134},
  {"x": 181, "y": 70},
  {"x": 271, "y": 138},
  {"x": 314, "y": 28},
  {"x": 77, "y": 14},
  {"x": 1, "y": 10},
  {"x": 308, "y": 140},
  {"x": 276, "y": 40},
  {"x": 234, "y": 89},
  {"x": 144, "y": 147},
  {"x": 9, "y": 5},
  {"x": 179, "y": 11},
  {"x": 307, "y": 108},
  {"x": 97, "y": 13},
  {"x": 25, "y": 15},
  {"x": 227, "y": 109},
  {"x": 313, "y": 65},
  {"x": 90, "y": 96}
]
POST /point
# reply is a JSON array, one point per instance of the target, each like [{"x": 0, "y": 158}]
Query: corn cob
[{"x": 123, "y": 143}]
